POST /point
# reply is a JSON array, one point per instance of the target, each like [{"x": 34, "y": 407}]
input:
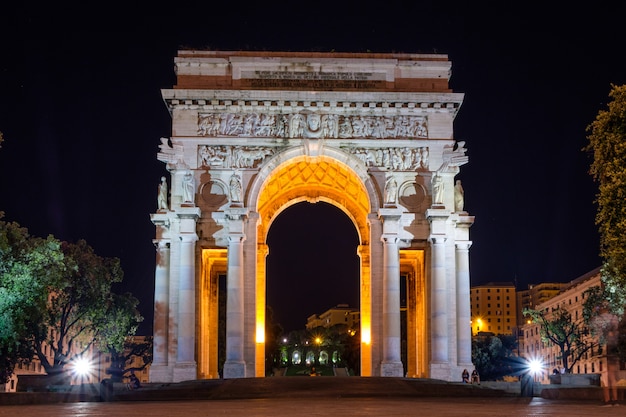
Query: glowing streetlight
[
  {"x": 81, "y": 366},
  {"x": 534, "y": 366}
]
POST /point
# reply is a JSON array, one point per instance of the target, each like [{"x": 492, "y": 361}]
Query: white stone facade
[{"x": 253, "y": 133}]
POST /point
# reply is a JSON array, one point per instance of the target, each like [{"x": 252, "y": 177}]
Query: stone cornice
[{"x": 297, "y": 101}]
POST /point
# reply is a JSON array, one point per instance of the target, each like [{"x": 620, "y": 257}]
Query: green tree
[
  {"x": 27, "y": 264},
  {"x": 571, "y": 337},
  {"x": 123, "y": 361},
  {"x": 607, "y": 143},
  {"x": 59, "y": 295},
  {"x": 273, "y": 334},
  {"x": 599, "y": 313},
  {"x": 493, "y": 356},
  {"x": 79, "y": 303},
  {"x": 116, "y": 324}
]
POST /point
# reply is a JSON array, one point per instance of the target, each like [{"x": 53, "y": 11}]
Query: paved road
[{"x": 358, "y": 407}]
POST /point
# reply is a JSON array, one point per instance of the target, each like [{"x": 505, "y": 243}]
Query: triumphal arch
[{"x": 256, "y": 132}]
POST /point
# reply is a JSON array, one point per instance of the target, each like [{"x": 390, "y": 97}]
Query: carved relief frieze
[
  {"x": 227, "y": 156},
  {"x": 311, "y": 125},
  {"x": 396, "y": 159}
]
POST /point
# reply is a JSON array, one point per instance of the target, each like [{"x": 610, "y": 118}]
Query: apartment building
[
  {"x": 534, "y": 295},
  {"x": 571, "y": 298},
  {"x": 340, "y": 314},
  {"x": 494, "y": 308}
]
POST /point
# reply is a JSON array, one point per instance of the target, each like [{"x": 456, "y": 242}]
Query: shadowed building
[{"x": 340, "y": 314}]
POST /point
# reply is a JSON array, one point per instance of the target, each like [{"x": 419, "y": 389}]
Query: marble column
[
  {"x": 439, "y": 303},
  {"x": 161, "y": 303},
  {"x": 185, "y": 368},
  {"x": 391, "y": 361},
  {"x": 463, "y": 318},
  {"x": 235, "y": 366}
]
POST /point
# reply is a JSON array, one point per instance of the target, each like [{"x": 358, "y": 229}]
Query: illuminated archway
[
  {"x": 312, "y": 179},
  {"x": 257, "y": 133}
]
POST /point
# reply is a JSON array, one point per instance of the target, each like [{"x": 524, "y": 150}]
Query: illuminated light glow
[
  {"x": 535, "y": 366},
  {"x": 81, "y": 366},
  {"x": 366, "y": 335},
  {"x": 260, "y": 333}
]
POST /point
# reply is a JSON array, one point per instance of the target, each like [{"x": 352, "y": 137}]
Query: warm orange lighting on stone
[
  {"x": 366, "y": 334},
  {"x": 260, "y": 333}
]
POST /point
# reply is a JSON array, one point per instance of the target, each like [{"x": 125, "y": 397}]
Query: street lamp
[{"x": 81, "y": 367}]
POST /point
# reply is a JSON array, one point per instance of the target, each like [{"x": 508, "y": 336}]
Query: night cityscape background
[{"x": 82, "y": 115}]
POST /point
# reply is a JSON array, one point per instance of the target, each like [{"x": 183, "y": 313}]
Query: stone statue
[
  {"x": 162, "y": 195},
  {"x": 437, "y": 183},
  {"x": 391, "y": 191},
  {"x": 235, "y": 188},
  {"x": 459, "y": 201},
  {"x": 188, "y": 188}
]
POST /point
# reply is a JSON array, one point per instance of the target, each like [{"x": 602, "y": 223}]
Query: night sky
[{"x": 82, "y": 114}]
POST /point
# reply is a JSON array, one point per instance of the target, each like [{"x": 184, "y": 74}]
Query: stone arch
[
  {"x": 402, "y": 110},
  {"x": 306, "y": 178},
  {"x": 293, "y": 177}
]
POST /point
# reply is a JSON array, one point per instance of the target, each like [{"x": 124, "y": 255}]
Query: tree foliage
[
  {"x": 571, "y": 337},
  {"x": 26, "y": 265},
  {"x": 494, "y": 356},
  {"x": 123, "y": 359},
  {"x": 607, "y": 143},
  {"x": 599, "y": 312},
  {"x": 59, "y": 295}
]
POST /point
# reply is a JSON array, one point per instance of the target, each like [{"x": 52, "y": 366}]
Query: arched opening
[
  {"x": 312, "y": 263},
  {"x": 312, "y": 267},
  {"x": 330, "y": 185}
]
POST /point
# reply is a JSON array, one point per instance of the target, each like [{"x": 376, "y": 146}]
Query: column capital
[
  {"x": 438, "y": 239},
  {"x": 161, "y": 243},
  {"x": 389, "y": 239},
  {"x": 236, "y": 237},
  {"x": 188, "y": 237},
  {"x": 463, "y": 244}
]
